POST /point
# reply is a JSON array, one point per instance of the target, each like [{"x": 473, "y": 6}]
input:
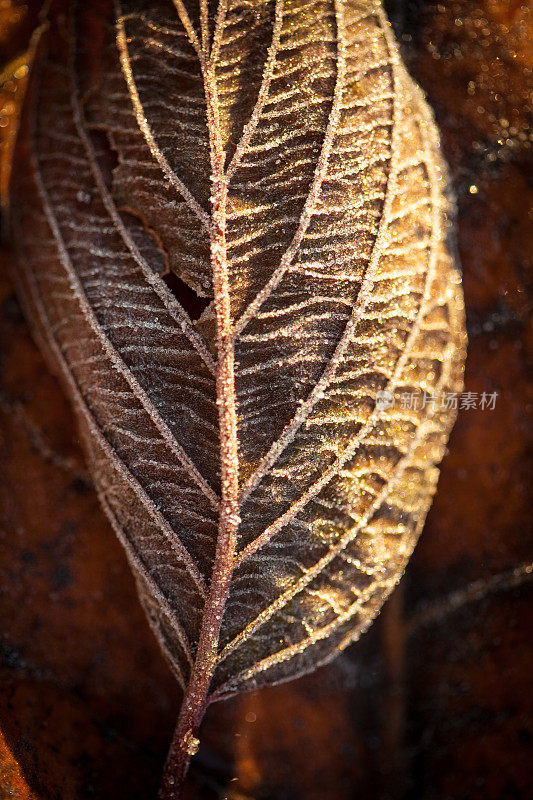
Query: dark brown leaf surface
[
  {"x": 267, "y": 505},
  {"x": 433, "y": 704}
]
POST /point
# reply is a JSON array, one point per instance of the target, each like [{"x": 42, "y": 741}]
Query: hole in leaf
[{"x": 193, "y": 304}]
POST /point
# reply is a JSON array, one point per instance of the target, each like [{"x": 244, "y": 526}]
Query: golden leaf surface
[{"x": 276, "y": 162}]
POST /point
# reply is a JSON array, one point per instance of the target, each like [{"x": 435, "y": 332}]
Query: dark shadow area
[{"x": 193, "y": 304}]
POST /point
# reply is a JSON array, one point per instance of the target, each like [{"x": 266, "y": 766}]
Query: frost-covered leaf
[{"x": 232, "y": 234}]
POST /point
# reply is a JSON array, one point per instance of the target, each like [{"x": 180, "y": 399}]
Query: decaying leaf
[{"x": 232, "y": 232}]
